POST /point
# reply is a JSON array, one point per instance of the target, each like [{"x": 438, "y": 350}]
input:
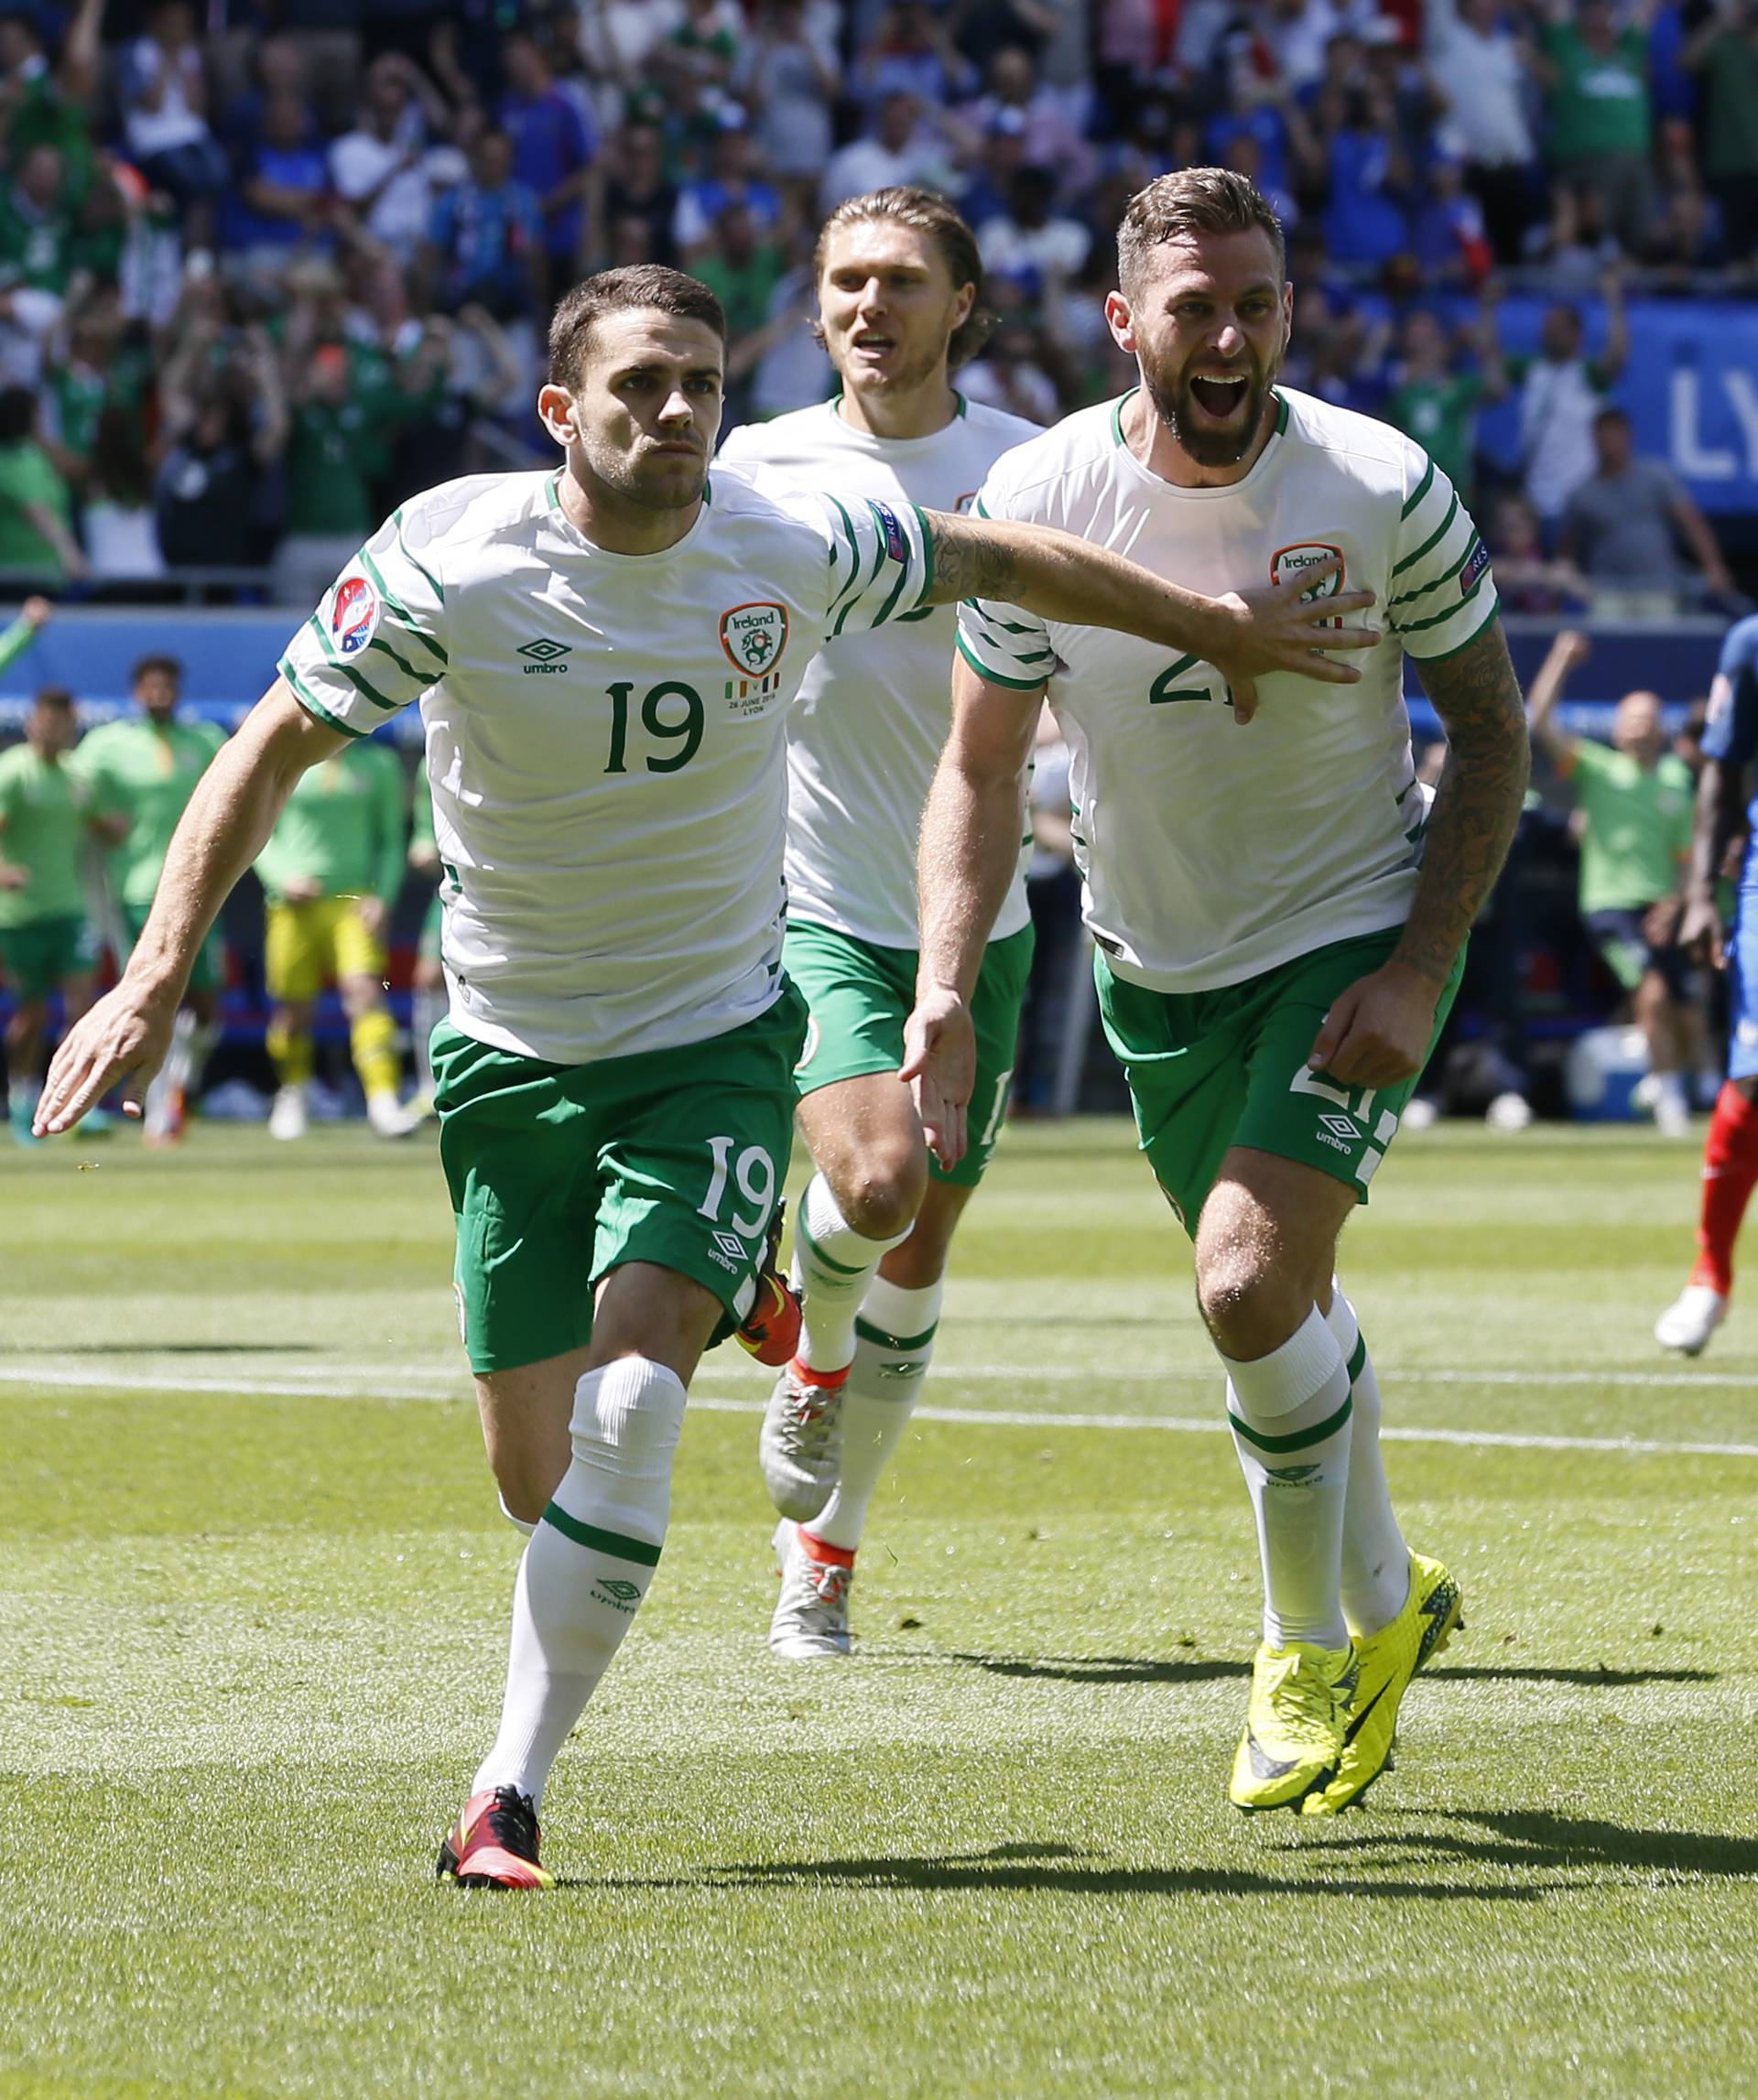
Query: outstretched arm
[
  {"x": 1064, "y": 579},
  {"x": 229, "y": 818},
  {"x": 1565, "y": 654},
  {"x": 969, "y": 847},
  {"x": 1378, "y": 1031}
]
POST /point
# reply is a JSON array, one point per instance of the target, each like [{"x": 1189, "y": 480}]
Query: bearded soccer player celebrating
[
  {"x": 604, "y": 657},
  {"x": 1278, "y": 942},
  {"x": 898, "y": 276}
]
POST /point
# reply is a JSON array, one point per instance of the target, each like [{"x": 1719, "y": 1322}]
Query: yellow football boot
[
  {"x": 1389, "y": 1660},
  {"x": 1294, "y": 1727}
]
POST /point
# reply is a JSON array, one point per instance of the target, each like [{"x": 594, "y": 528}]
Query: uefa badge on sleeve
[{"x": 354, "y": 614}]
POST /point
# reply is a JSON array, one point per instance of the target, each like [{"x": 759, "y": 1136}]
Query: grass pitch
[{"x": 253, "y": 1589}]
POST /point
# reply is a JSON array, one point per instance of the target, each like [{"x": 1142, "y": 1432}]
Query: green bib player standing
[
  {"x": 898, "y": 275},
  {"x": 142, "y": 773},
  {"x": 45, "y": 941},
  {"x": 1277, "y": 944},
  {"x": 604, "y": 658}
]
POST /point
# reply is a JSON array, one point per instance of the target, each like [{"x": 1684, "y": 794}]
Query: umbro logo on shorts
[
  {"x": 730, "y": 1243},
  {"x": 1343, "y": 1126}
]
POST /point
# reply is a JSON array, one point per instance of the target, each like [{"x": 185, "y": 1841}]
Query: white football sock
[
  {"x": 833, "y": 1265},
  {"x": 1376, "y": 1562},
  {"x": 1289, "y": 1414},
  {"x": 894, "y": 1343},
  {"x": 518, "y": 1523},
  {"x": 587, "y": 1565}
]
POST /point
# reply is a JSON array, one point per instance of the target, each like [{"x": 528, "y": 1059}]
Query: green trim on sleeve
[
  {"x": 1458, "y": 648},
  {"x": 420, "y": 566},
  {"x": 927, "y": 541},
  {"x": 1422, "y": 490},
  {"x": 364, "y": 687},
  {"x": 309, "y": 701},
  {"x": 1422, "y": 590},
  {"x": 995, "y": 678},
  {"x": 394, "y": 604},
  {"x": 854, "y": 550},
  {"x": 1448, "y": 612},
  {"x": 1434, "y": 539}
]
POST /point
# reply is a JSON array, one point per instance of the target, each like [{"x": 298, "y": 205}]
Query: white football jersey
[
  {"x": 1212, "y": 852},
  {"x": 873, "y": 714},
  {"x": 605, "y": 739}
]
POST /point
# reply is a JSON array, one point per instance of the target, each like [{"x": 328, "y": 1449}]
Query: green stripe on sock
[
  {"x": 1301, "y": 1437},
  {"x": 903, "y": 1344},
  {"x": 614, "y": 1543},
  {"x": 1359, "y": 1357},
  {"x": 817, "y": 1254}
]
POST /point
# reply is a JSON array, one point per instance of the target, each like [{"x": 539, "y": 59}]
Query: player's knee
[
  {"x": 886, "y": 1191},
  {"x": 628, "y": 1415},
  {"x": 1247, "y": 1304}
]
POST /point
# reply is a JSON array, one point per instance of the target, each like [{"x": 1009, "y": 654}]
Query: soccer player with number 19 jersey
[
  {"x": 603, "y": 657},
  {"x": 1277, "y": 942}
]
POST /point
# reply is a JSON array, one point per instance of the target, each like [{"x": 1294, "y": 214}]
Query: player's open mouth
[
  {"x": 1219, "y": 397},
  {"x": 874, "y": 345}
]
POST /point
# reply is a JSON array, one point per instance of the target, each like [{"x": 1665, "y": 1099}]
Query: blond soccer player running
[
  {"x": 614, "y": 1082},
  {"x": 1277, "y": 939}
]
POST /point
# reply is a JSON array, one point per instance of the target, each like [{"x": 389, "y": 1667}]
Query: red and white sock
[{"x": 1729, "y": 1174}]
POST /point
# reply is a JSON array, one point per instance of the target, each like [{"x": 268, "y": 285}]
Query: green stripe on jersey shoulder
[
  {"x": 1447, "y": 611},
  {"x": 1422, "y": 490},
  {"x": 394, "y": 604},
  {"x": 618, "y": 1543},
  {"x": 1458, "y": 648},
  {"x": 855, "y": 545},
  {"x": 998, "y": 677},
  {"x": 421, "y": 567},
  {"x": 309, "y": 701},
  {"x": 363, "y": 686},
  {"x": 1422, "y": 590},
  {"x": 1433, "y": 540}
]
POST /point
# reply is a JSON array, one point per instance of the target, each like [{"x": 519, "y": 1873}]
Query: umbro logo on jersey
[{"x": 544, "y": 655}]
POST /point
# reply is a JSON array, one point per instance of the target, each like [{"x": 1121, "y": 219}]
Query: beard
[
  {"x": 668, "y": 482},
  {"x": 1199, "y": 436}
]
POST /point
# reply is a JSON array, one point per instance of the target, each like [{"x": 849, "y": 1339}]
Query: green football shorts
[
  {"x": 209, "y": 971},
  {"x": 560, "y": 1172},
  {"x": 38, "y": 957},
  {"x": 860, "y": 995},
  {"x": 1209, "y": 1070}
]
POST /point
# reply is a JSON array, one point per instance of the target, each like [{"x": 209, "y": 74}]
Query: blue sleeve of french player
[{"x": 1730, "y": 734}]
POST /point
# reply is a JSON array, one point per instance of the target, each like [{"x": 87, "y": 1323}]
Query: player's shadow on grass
[
  {"x": 1528, "y": 1838},
  {"x": 1107, "y": 1669},
  {"x": 161, "y": 1350},
  {"x": 1057, "y": 1869},
  {"x": 1201, "y": 1670}
]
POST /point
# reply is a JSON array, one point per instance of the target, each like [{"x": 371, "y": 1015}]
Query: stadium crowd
[{"x": 265, "y": 270}]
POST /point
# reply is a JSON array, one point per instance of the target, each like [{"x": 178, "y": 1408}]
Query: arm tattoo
[
  {"x": 971, "y": 559},
  {"x": 1482, "y": 788}
]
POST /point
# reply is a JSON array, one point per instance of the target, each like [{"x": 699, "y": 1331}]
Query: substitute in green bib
[
  {"x": 331, "y": 871},
  {"x": 1636, "y": 802},
  {"x": 604, "y": 657},
  {"x": 142, "y": 772},
  {"x": 46, "y": 942}
]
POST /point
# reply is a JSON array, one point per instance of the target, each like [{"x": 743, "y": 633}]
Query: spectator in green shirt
[
  {"x": 1601, "y": 122},
  {"x": 36, "y": 530},
  {"x": 1437, "y": 396},
  {"x": 1636, "y": 805},
  {"x": 1723, "y": 53},
  {"x": 46, "y": 943}
]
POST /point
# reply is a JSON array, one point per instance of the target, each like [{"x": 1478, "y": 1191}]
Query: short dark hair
[
  {"x": 59, "y": 697},
  {"x": 1187, "y": 202},
  {"x": 926, "y": 212},
  {"x": 1611, "y": 413},
  {"x": 146, "y": 666},
  {"x": 648, "y": 285}
]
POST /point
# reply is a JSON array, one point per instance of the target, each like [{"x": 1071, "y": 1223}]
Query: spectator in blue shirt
[
  {"x": 1365, "y": 223},
  {"x": 282, "y": 196},
  {"x": 553, "y": 148},
  {"x": 732, "y": 179},
  {"x": 485, "y": 242}
]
